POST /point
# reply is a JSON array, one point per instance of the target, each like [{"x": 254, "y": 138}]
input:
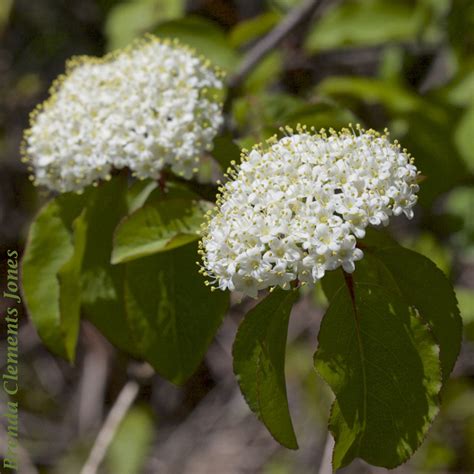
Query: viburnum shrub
[
  {"x": 297, "y": 205},
  {"x": 120, "y": 140},
  {"x": 150, "y": 106}
]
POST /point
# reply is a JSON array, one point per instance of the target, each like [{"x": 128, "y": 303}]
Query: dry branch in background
[
  {"x": 108, "y": 430},
  {"x": 263, "y": 47}
]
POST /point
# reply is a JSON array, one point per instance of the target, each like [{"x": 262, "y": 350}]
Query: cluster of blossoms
[
  {"x": 153, "y": 105},
  {"x": 296, "y": 206}
]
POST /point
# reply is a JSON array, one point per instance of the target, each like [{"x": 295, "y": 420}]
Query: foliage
[
  {"x": 171, "y": 314},
  {"x": 156, "y": 308},
  {"x": 53, "y": 256},
  {"x": 382, "y": 364},
  {"x": 259, "y": 360},
  {"x": 391, "y": 281},
  {"x": 158, "y": 226}
]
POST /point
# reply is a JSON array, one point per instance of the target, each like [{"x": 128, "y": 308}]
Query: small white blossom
[
  {"x": 154, "y": 105},
  {"x": 296, "y": 207}
]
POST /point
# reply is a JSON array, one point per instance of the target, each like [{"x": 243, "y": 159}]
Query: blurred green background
[{"x": 407, "y": 65}]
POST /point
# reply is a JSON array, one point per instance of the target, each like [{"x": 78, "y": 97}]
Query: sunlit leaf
[
  {"x": 372, "y": 91},
  {"x": 130, "y": 19},
  {"x": 157, "y": 227},
  {"x": 320, "y": 115},
  {"x": 138, "y": 193},
  {"x": 418, "y": 281},
  {"x": 52, "y": 258},
  {"x": 381, "y": 362},
  {"x": 69, "y": 278},
  {"x": 464, "y": 137},
  {"x": 365, "y": 22},
  {"x": 259, "y": 363},
  {"x": 249, "y": 30},
  {"x": 205, "y": 36},
  {"x": 265, "y": 74}
]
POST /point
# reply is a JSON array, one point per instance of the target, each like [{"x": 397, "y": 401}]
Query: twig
[
  {"x": 92, "y": 387},
  {"x": 326, "y": 465},
  {"x": 296, "y": 16},
  {"x": 107, "y": 433}
]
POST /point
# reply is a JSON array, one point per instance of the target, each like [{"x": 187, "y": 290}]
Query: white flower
[
  {"x": 154, "y": 105},
  {"x": 296, "y": 207}
]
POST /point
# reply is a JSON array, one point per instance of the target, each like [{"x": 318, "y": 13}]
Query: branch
[
  {"x": 109, "y": 429},
  {"x": 294, "y": 19}
]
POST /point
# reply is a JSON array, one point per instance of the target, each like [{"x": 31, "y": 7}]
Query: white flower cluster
[
  {"x": 153, "y": 105},
  {"x": 296, "y": 206}
]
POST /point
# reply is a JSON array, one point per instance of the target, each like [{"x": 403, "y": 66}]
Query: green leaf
[
  {"x": 463, "y": 137},
  {"x": 460, "y": 26},
  {"x": 205, "y": 36},
  {"x": 424, "y": 286},
  {"x": 419, "y": 282},
  {"x": 268, "y": 112},
  {"x": 460, "y": 90},
  {"x": 427, "y": 244},
  {"x": 382, "y": 364},
  {"x": 331, "y": 283},
  {"x": 391, "y": 64},
  {"x": 69, "y": 278},
  {"x": 225, "y": 151},
  {"x": 394, "y": 97},
  {"x": 435, "y": 152},
  {"x": 249, "y": 30},
  {"x": 333, "y": 280},
  {"x": 253, "y": 111},
  {"x": 102, "y": 283},
  {"x": 465, "y": 297},
  {"x": 157, "y": 227},
  {"x": 460, "y": 203},
  {"x": 259, "y": 363},
  {"x": 5, "y": 10},
  {"x": 51, "y": 259},
  {"x": 130, "y": 19},
  {"x": 138, "y": 193},
  {"x": 365, "y": 22},
  {"x": 173, "y": 316},
  {"x": 321, "y": 115},
  {"x": 265, "y": 74},
  {"x": 132, "y": 444}
]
